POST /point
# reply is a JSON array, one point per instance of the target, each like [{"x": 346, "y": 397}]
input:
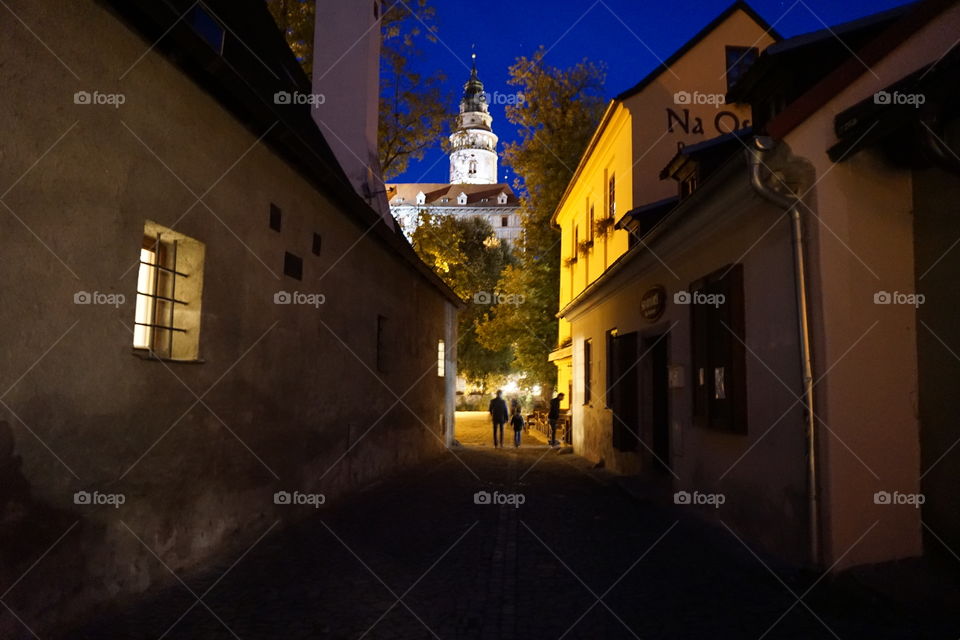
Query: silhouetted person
[
  {"x": 553, "y": 417},
  {"x": 516, "y": 421},
  {"x": 500, "y": 415}
]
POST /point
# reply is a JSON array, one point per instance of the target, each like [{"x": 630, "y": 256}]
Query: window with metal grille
[{"x": 169, "y": 287}]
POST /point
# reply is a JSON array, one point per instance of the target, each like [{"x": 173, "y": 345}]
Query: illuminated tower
[{"x": 473, "y": 156}]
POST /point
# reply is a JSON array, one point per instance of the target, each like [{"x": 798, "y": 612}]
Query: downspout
[{"x": 762, "y": 146}]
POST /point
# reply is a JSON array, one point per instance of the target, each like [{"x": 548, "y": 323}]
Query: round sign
[{"x": 653, "y": 303}]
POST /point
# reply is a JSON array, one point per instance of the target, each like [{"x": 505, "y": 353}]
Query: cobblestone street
[{"x": 415, "y": 557}]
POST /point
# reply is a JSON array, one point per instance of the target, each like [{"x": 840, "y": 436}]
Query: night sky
[{"x": 617, "y": 32}]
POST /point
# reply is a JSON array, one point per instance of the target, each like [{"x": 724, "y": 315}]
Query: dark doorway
[
  {"x": 656, "y": 398},
  {"x": 622, "y": 391}
]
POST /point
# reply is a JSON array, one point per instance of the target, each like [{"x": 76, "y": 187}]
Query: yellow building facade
[{"x": 681, "y": 102}]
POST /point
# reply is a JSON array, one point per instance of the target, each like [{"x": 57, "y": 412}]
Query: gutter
[{"x": 762, "y": 146}]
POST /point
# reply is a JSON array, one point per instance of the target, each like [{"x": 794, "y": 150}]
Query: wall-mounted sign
[{"x": 653, "y": 303}]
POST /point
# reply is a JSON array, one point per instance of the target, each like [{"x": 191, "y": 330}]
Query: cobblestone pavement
[{"x": 415, "y": 557}]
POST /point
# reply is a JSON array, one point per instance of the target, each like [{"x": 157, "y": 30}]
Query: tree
[
  {"x": 560, "y": 110},
  {"x": 413, "y": 107},
  {"x": 296, "y": 19},
  {"x": 468, "y": 257}
]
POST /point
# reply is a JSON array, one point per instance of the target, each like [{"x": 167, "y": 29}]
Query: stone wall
[{"x": 284, "y": 398}]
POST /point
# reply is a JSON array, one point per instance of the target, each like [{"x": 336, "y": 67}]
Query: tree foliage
[
  {"x": 469, "y": 258},
  {"x": 561, "y": 109},
  {"x": 413, "y": 107}
]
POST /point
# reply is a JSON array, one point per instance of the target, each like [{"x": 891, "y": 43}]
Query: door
[
  {"x": 623, "y": 387},
  {"x": 656, "y": 399}
]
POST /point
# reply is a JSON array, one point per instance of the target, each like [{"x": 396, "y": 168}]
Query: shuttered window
[{"x": 719, "y": 356}]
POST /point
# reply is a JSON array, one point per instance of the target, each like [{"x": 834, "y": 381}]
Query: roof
[
  {"x": 840, "y": 77},
  {"x": 800, "y": 61},
  {"x": 253, "y": 64},
  {"x": 709, "y": 153},
  {"x": 435, "y": 193},
  {"x": 739, "y": 5}
]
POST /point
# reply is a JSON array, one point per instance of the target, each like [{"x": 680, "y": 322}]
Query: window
[
  {"x": 422, "y": 198},
  {"x": 292, "y": 266},
  {"x": 207, "y": 27},
  {"x": 587, "y": 367},
  {"x": 382, "y": 344},
  {"x": 376, "y": 10},
  {"x": 591, "y": 232},
  {"x": 738, "y": 60},
  {"x": 441, "y": 358},
  {"x": 505, "y": 221},
  {"x": 169, "y": 289},
  {"x": 502, "y": 198},
  {"x": 276, "y": 217},
  {"x": 317, "y": 244},
  {"x": 462, "y": 198},
  {"x": 612, "y": 197},
  {"x": 718, "y": 352}
]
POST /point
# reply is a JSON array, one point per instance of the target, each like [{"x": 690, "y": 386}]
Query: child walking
[{"x": 516, "y": 421}]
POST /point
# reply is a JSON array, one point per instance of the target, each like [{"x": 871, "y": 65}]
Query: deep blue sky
[{"x": 502, "y": 30}]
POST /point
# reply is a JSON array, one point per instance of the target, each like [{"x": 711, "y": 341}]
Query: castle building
[{"x": 473, "y": 189}]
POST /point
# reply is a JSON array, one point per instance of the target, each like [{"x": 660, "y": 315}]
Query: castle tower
[{"x": 473, "y": 159}]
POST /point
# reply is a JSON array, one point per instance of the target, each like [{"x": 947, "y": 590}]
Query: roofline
[
  {"x": 584, "y": 157},
  {"x": 695, "y": 40},
  {"x": 311, "y": 159},
  {"x": 653, "y": 75},
  {"x": 854, "y": 67}
]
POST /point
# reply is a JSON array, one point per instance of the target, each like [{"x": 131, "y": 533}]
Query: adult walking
[
  {"x": 500, "y": 415},
  {"x": 553, "y": 417}
]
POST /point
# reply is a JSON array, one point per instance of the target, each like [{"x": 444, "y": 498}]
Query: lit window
[
  {"x": 441, "y": 358},
  {"x": 169, "y": 288}
]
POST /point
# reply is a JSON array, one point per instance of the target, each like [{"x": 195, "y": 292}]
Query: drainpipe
[{"x": 762, "y": 146}]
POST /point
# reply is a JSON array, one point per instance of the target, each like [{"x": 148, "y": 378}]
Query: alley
[{"x": 416, "y": 557}]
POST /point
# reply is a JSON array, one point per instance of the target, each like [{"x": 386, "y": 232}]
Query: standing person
[
  {"x": 554, "y": 417},
  {"x": 500, "y": 415},
  {"x": 516, "y": 421}
]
